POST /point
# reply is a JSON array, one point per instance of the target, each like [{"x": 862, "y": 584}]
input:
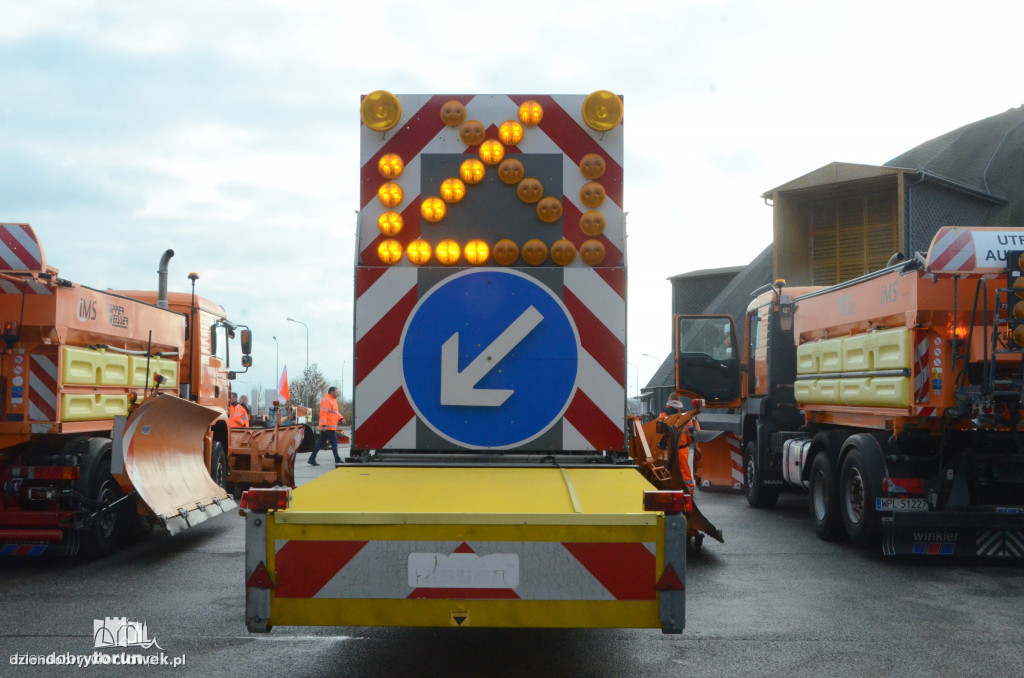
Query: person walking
[{"x": 330, "y": 416}]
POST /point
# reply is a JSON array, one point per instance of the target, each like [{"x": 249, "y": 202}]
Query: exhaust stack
[{"x": 161, "y": 299}]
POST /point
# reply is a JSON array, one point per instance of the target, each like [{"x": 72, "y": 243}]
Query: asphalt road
[{"x": 771, "y": 601}]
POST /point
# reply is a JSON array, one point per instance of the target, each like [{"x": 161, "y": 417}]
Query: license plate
[{"x": 900, "y": 504}]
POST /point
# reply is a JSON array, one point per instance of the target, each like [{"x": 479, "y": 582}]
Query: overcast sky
[{"x": 228, "y": 131}]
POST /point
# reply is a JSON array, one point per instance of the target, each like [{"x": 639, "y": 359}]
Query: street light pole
[
  {"x": 277, "y": 368},
  {"x": 307, "y": 354}
]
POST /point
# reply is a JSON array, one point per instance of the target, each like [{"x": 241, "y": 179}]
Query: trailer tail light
[
  {"x": 45, "y": 472},
  {"x": 668, "y": 501},
  {"x": 903, "y": 485},
  {"x": 266, "y": 498}
]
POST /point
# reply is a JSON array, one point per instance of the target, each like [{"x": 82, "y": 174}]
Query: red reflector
[
  {"x": 49, "y": 472},
  {"x": 668, "y": 501},
  {"x": 670, "y": 581},
  {"x": 260, "y": 578},
  {"x": 903, "y": 485},
  {"x": 266, "y": 498}
]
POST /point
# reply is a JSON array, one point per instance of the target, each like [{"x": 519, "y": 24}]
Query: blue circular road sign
[{"x": 490, "y": 358}]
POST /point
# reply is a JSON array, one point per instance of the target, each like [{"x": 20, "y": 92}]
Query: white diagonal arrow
[{"x": 459, "y": 388}]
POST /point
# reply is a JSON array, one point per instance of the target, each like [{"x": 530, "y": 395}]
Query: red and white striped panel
[
  {"x": 465, "y": 570},
  {"x": 42, "y": 388},
  {"x": 20, "y": 249},
  {"x": 922, "y": 384},
  {"x": 737, "y": 460},
  {"x": 928, "y": 411},
  {"x": 972, "y": 252},
  {"x": 594, "y": 419}
]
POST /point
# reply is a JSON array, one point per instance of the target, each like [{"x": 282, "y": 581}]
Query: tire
[
  {"x": 219, "y": 465},
  {"x": 823, "y": 501},
  {"x": 859, "y": 483},
  {"x": 104, "y": 534},
  {"x": 758, "y": 494}
]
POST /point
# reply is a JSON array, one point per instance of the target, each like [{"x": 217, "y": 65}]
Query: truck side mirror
[
  {"x": 246, "y": 342},
  {"x": 232, "y": 375},
  {"x": 246, "y": 361}
]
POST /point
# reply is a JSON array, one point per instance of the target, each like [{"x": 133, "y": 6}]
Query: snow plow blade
[{"x": 160, "y": 450}]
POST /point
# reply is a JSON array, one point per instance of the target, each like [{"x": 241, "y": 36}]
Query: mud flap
[
  {"x": 158, "y": 452},
  {"x": 997, "y": 536}
]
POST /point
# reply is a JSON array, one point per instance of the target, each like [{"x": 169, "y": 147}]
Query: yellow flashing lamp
[
  {"x": 530, "y": 190},
  {"x": 592, "y": 252},
  {"x": 592, "y": 223},
  {"x": 389, "y": 251},
  {"x": 1018, "y": 287},
  {"x": 592, "y": 166},
  {"x": 511, "y": 171},
  {"x": 453, "y": 113},
  {"x": 390, "y": 166},
  {"x": 492, "y": 152},
  {"x": 535, "y": 252},
  {"x": 1018, "y": 335},
  {"x": 506, "y": 252},
  {"x": 390, "y": 223},
  {"x": 447, "y": 252},
  {"x": 390, "y": 194},
  {"x": 433, "y": 209},
  {"x": 472, "y": 171},
  {"x": 380, "y": 110},
  {"x": 510, "y": 132},
  {"x": 418, "y": 252},
  {"x": 530, "y": 113},
  {"x": 592, "y": 194},
  {"x": 472, "y": 132},
  {"x": 453, "y": 190},
  {"x": 549, "y": 210},
  {"x": 477, "y": 252},
  {"x": 563, "y": 252},
  {"x": 602, "y": 111},
  {"x": 1018, "y": 311}
]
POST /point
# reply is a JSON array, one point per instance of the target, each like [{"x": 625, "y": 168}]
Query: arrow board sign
[{"x": 490, "y": 358}]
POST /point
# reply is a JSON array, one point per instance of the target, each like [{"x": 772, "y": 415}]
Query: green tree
[{"x": 308, "y": 389}]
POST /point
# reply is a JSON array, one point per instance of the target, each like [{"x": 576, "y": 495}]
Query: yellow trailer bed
[{"x": 368, "y": 545}]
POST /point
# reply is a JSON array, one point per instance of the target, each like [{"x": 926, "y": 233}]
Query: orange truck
[
  {"x": 75, "y": 469},
  {"x": 893, "y": 399}
]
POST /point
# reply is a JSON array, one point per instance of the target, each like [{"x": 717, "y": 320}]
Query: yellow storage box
[
  {"x": 92, "y": 406},
  {"x": 163, "y": 366},
  {"x": 879, "y": 350},
  {"x": 93, "y": 368}
]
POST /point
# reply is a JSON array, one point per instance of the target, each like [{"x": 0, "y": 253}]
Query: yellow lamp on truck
[
  {"x": 390, "y": 194},
  {"x": 380, "y": 110},
  {"x": 492, "y": 152},
  {"x": 506, "y": 252},
  {"x": 453, "y": 113},
  {"x": 389, "y": 251},
  {"x": 433, "y": 209},
  {"x": 477, "y": 252},
  {"x": 510, "y": 132},
  {"x": 535, "y": 252},
  {"x": 592, "y": 194},
  {"x": 530, "y": 113},
  {"x": 549, "y": 209},
  {"x": 390, "y": 165},
  {"x": 592, "y": 223},
  {"x": 418, "y": 252},
  {"x": 563, "y": 252},
  {"x": 592, "y": 252},
  {"x": 453, "y": 190},
  {"x": 602, "y": 111},
  {"x": 472, "y": 171},
  {"x": 390, "y": 223},
  {"x": 447, "y": 252},
  {"x": 511, "y": 171},
  {"x": 592, "y": 166}
]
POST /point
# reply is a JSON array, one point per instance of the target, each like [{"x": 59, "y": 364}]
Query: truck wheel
[
  {"x": 758, "y": 495},
  {"x": 824, "y": 502},
  {"x": 858, "y": 485},
  {"x": 219, "y": 465},
  {"x": 103, "y": 535}
]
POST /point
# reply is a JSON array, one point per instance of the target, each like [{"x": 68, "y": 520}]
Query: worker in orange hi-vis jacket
[
  {"x": 330, "y": 416},
  {"x": 238, "y": 416},
  {"x": 673, "y": 416}
]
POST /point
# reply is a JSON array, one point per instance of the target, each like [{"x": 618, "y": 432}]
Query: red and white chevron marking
[
  {"x": 20, "y": 249},
  {"x": 737, "y": 460},
  {"x": 42, "y": 388},
  {"x": 422, "y": 131},
  {"x": 952, "y": 250},
  {"x": 922, "y": 384},
  {"x": 927, "y": 411},
  {"x": 465, "y": 570},
  {"x": 593, "y": 420}
]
